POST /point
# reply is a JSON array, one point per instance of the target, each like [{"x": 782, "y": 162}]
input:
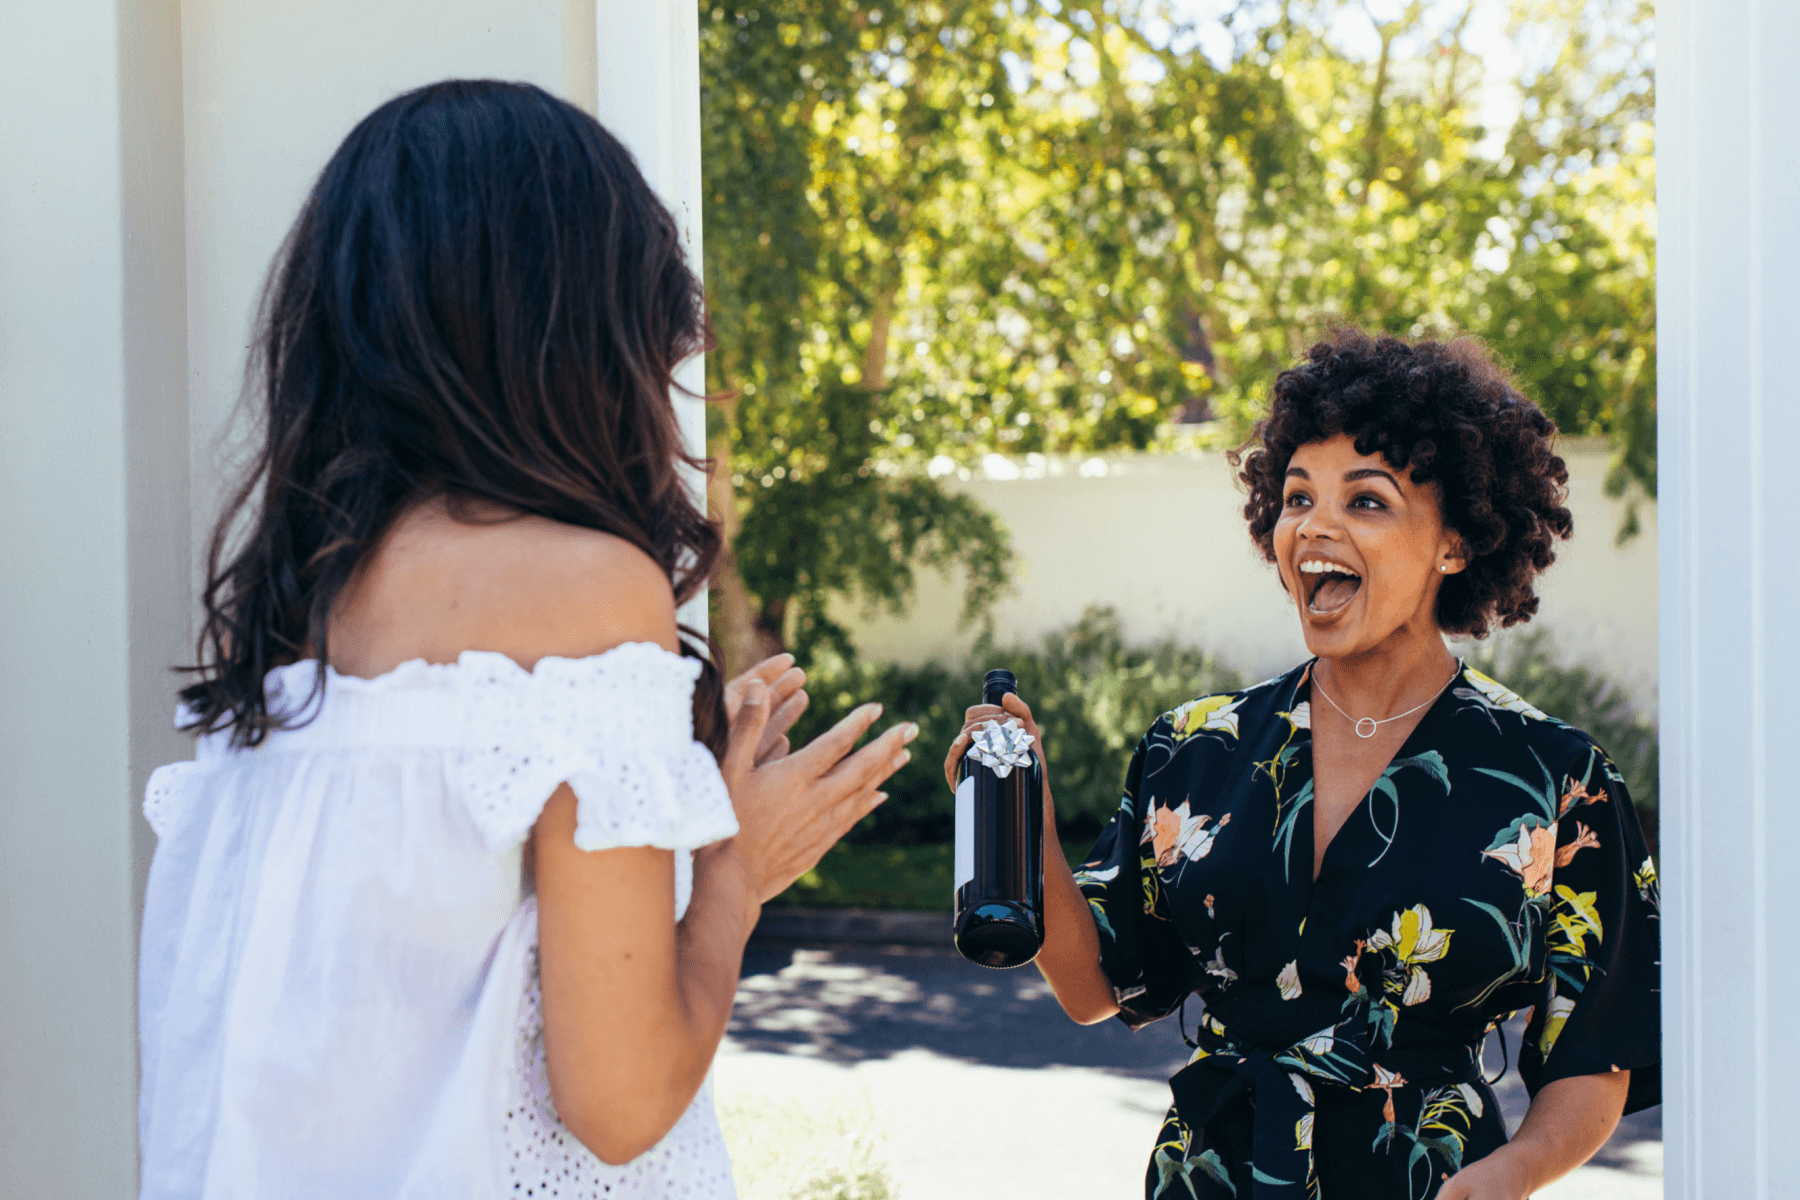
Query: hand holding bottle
[{"x": 1009, "y": 708}]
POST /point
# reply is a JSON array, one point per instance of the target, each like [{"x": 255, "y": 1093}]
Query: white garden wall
[{"x": 1161, "y": 539}]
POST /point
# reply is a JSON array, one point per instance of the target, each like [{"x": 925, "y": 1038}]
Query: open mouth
[{"x": 1329, "y": 586}]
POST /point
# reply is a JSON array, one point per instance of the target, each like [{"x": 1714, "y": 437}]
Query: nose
[{"x": 1319, "y": 525}]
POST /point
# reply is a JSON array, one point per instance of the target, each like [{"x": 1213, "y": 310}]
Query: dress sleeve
[
  {"x": 617, "y": 728},
  {"x": 1141, "y": 952},
  {"x": 1601, "y": 1006}
]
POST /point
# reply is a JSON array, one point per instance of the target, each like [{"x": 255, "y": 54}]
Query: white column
[
  {"x": 1728, "y": 303},
  {"x": 93, "y": 562},
  {"x": 648, "y": 77}
]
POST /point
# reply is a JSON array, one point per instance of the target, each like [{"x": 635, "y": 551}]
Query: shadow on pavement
[{"x": 850, "y": 1004}]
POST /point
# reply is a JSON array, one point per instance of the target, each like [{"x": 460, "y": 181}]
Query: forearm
[
  {"x": 627, "y": 1062},
  {"x": 709, "y": 949},
  {"x": 1070, "y": 958},
  {"x": 1568, "y": 1121}
]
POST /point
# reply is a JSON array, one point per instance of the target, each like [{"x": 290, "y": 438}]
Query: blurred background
[{"x": 995, "y": 287}]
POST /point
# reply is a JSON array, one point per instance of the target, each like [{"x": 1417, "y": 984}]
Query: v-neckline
[{"x": 1405, "y": 750}]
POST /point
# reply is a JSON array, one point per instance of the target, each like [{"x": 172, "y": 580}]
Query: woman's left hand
[
  {"x": 786, "y": 700},
  {"x": 1499, "y": 1176}
]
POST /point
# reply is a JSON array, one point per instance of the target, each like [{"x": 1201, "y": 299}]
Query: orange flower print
[
  {"x": 1175, "y": 833},
  {"x": 1583, "y": 840},
  {"x": 1578, "y": 794},
  {"x": 1349, "y": 964},
  {"x": 1387, "y": 1081},
  {"x": 1531, "y": 857}
]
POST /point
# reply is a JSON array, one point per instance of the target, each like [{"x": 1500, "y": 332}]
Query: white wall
[
  {"x": 1728, "y": 307},
  {"x": 1161, "y": 539},
  {"x": 271, "y": 88},
  {"x": 93, "y": 565}
]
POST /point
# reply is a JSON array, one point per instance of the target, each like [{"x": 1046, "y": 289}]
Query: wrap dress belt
[{"x": 1278, "y": 1085}]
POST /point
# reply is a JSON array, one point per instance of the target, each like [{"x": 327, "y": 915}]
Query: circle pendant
[{"x": 1371, "y": 723}]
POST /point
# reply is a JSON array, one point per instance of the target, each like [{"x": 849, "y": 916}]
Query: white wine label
[{"x": 965, "y": 832}]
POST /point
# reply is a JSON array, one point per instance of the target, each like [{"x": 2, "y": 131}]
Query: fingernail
[
  {"x": 909, "y": 732},
  {"x": 879, "y": 797},
  {"x": 874, "y": 711},
  {"x": 753, "y": 693},
  {"x": 902, "y": 758}
]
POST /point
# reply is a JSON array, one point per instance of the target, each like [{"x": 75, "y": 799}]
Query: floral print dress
[{"x": 1496, "y": 866}]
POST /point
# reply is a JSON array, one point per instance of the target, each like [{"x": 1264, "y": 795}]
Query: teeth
[{"x": 1314, "y": 566}]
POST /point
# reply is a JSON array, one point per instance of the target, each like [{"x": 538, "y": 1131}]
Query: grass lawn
[{"x": 912, "y": 878}]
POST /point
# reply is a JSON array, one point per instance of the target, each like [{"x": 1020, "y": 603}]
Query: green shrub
[{"x": 1092, "y": 694}]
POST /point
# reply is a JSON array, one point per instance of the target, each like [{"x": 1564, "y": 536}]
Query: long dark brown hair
[{"x": 482, "y": 301}]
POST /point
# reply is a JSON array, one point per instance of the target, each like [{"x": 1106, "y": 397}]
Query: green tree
[{"x": 941, "y": 230}]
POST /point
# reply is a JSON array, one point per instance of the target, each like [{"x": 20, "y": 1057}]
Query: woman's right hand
[
  {"x": 1010, "y": 708},
  {"x": 792, "y": 808}
]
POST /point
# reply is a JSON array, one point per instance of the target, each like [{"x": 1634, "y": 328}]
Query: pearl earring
[{"x": 1443, "y": 566}]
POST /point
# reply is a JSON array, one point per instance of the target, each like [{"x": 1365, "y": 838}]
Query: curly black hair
[{"x": 1447, "y": 412}]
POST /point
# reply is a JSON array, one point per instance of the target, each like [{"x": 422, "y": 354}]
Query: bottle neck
[{"x": 994, "y": 694}]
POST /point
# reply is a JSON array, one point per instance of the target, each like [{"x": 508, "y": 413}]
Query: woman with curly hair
[{"x": 1363, "y": 866}]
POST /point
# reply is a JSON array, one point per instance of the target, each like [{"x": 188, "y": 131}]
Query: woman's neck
[{"x": 1404, "y": 670}]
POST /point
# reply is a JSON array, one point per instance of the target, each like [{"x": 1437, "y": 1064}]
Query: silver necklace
[{"x": 1371, "y": 722}]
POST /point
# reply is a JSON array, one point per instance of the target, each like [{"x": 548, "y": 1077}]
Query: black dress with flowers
[{"x": 1496, "y": 866}]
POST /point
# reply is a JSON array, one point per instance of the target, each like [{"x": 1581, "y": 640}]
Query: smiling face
[{"x": 1361, "y": 548}]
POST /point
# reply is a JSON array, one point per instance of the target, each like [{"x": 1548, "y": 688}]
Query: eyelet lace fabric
[
  {"x": 545, "y": 1160},
  {"x": 646, "y": 783},
  {"x": 343, "y": 907}
]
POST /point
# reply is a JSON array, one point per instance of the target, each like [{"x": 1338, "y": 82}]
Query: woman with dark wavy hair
[
  {"x": 1363, "y": 866},
  {"x": 453, "y": 900}
]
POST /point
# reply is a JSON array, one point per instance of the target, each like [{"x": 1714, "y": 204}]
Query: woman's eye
[
  {"x": 1367, "y": 501},
  {"x": 1297, "y": 500}
]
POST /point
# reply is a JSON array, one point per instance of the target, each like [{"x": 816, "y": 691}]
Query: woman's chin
[{"x": 1331, "y": 635}]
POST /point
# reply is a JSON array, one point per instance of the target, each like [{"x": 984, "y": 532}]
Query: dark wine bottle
[{"x": 1000, "y": 841}]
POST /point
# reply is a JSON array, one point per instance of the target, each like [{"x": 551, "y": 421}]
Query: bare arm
[
  {"x": 1070, "y": 959},
  {"x": 1568, "y": 1121}
]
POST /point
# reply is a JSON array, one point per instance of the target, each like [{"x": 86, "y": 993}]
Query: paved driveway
[{"x": 987, "y": 1090}]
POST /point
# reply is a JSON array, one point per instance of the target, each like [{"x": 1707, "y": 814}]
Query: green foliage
[
  {"x": 941, "y": 228},
  {"x": 1092, "y": 694}
]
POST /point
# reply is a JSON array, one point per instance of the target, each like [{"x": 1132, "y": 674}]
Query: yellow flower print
[
  {"x": 1554, "y": 1020},
  {"x": 1289, "y": 981},
  {"x": 1576, "y": 918},
  {"x": 1209, "y": 714},
  {"x": 1501, "y": 696},
  {"x": 1301, "y": 717},
  {"x": 1644, "y": 877},
  {"x": 1414, "y": 942},
  {"x": 1174, "y": 833},
  {"x": 1531, "y": 857}
]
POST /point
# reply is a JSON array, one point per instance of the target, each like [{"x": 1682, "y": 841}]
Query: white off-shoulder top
[{"x": 338, "y": 981}]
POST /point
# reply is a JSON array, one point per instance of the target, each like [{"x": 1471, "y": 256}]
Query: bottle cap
[{"x": 997, "y": 684}]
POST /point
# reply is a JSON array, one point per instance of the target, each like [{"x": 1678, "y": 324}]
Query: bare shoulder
[{"x": 525, "y": 586}]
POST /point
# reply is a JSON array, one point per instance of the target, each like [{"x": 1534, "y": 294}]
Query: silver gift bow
[{"x": 1000, "y": 748}]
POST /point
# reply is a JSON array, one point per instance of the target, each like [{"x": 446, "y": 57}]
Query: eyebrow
[
  {"x": 1370, "y": 473},
  {"x": 1351, "y": 476}
]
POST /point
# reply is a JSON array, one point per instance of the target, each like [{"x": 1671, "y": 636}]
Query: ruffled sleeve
[
  {"x": 165, "y": 795},
  {"x": 1600, "y": 1011},
  {"x": 617, "y": 728},
  {"x": 1141, "y": 952}
]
